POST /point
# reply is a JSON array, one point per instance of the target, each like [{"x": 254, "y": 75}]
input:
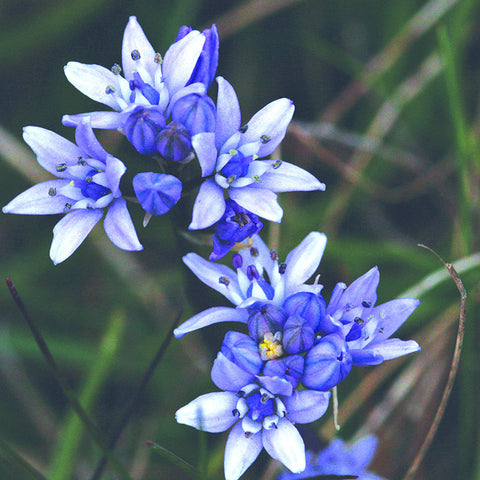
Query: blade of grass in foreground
[
  {"x": 67, "y": 391},
  {"x": 64, "y": 462},
  {"x": 15, "y": 462}
]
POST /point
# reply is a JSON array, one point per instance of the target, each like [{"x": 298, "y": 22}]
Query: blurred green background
[{"x": 387, "y": 115}]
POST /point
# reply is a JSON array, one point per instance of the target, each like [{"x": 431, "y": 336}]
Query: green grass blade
[
  {"x": 15, "y": 462},
  {"x": 64, "y": 461}
]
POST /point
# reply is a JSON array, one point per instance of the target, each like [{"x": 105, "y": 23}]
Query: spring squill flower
[{"x": 88, "y": 183}]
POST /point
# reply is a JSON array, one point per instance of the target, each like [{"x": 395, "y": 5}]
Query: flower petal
[
  {"x": 285, "y": 444},
  {"x": 288, "y": 178},
  {"x": 306, "y": 406},
  {"x": 211, "y": 412},
  {"x": 303, "y": 261},
  {"x": 259, "y": 201},
  {"x": 96, "y": 82},
  {"x": 227, "y": 375},
  {"x": 209, "y": 206},
  {"x": 180, "y": 60},
  {"x": 119, "y": 226},
  {"x": 392, "y": 315},
  {"x": 210, "y": 317},
  {"x": 135, "y": 39},
  {"x": 363, "y": 289},
  {"x": 52, "y": 150},
  {"x": 40, "y": 199},
  {"x": 71, "y": 231},
  {"x": 88, "y": 142},
  {"x": 269, "y": 125},
  {"x": 387, "y": 350},
  {"x": 240, "y": 452},
  {"x": 204, "y": 146},
  {"x": 228, "y": 112},
  {"x": 108, "y": 120},
  {"x": 217, "y": 276}
]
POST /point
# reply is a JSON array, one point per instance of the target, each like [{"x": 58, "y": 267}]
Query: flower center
[
  {"x": 236, "y": 167},
  {"x": 260, "y": 406},
  {"x": 271, "y": 347},
  {"x": 93, "y": 190},
  {"x": 144, "y": 88}
]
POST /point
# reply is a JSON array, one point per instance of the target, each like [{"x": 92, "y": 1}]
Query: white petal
[
  {"x": 180, "y": 60},
  {"x": 285, "y": 444},
  {"x": 135, "y": 39},
  {"x": 204, "y": 146},
  {"x": 228, "y": 112},
  {"x": 393, "y": 348},
  {"x": 227, "y": 375},
  {"x": 71, "y": 231},
  {"x": 209, "y": 206},
  {"x": 303, "y": 261},
  {"x": 210, "y": 317},
  {"x": 258, "y": 201},
  {"x": 211, "y": 412},
  {"x": 119, "y": 226},
  {"x": 110, "y": 120},
  {"x": 211, "y": 273},
  {"x": 95, "y": 81},
  {"x": 52, "y": 149},
  {"x": 240, "y": 452},
  {"x": 272, "y": 120},
  {"x": 288, "y": 178},
  {"x": 37, "y": 200}
]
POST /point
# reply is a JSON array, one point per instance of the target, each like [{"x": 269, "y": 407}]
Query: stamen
[
  {"x": 61, "y": 167},
  {"x": 235, "y": 412},
  {"x": 277, "y": 163},
  {"x": 265, "y": 138},
  {"x": 273, "y": 255},
  {"x": 157, "y": 58},
  {"x": 265, "y": 276},
  {"x": 358, "y": 321},
  {"x": 88, "y": 179},
  {"x": 252, "y": 272},
  {"x": 81, "y": 161},
  {"x": 282, "y": 268},
  {"x": 224, "y": 281},
  {"x": 67, "y": 207},
  {"x": 231, "y": 179},
  {"x": 243, "y": 129},
  {"x": 109, "y": 89},
  {"x": 366, "y": 304},
  {"x": 237, "y": 260},
  {"x": 116, "y": 68},
  {"x": 248, "y": 434},
  {"x": 52, "y": 191},
  {"x": 257, "y": 178},
  {"x": 264, "y": 398},
  {"x": 254, "y": 252},
  {"x": 135, "y": 55}
]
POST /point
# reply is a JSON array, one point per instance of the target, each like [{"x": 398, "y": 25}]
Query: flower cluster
[
  {"x": 161, "y": 105},
  {"x": 295, "y": 346}
]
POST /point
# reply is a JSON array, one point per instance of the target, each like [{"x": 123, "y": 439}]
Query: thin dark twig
[
  {"x": 453, "y": 369},
  {"x": 66, "y": 389},
  {"x": 117, "y": 432}
]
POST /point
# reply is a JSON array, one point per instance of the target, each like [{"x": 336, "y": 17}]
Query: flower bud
[
  {"x": 196, "y": 112},
  {"x": 243, "y": 351},
  {"x": 290, "y": 368},
  {"x": 327, "y": 363},
  {"x": 298, "y": 335},
  {"x": 265, "y": 318},
  {"x": 309, "y": 306},
  {"x": 156, "y": 192},
  {"x": 142, "y": 127},
  {"x": 174, "y": 142}
]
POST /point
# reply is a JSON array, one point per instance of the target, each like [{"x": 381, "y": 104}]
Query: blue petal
[
  {"x": 376, "y": 353},
  {"x": 258, "y": 201},
  {"x": 227, "y": 375},
  {"x": 276, "y": 385},
  {"x": 88, "y": 142},
  {"x": 211, "y": 412},
  {"x": 242, "y": 350},
  {"x": 306, "y": 406},
  {"x": 363, "y": 289}
]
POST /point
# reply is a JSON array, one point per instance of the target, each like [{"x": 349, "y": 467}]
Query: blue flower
[
  {"x": 236, "y": 225},
  {"x": 262, "y": 411},
  {"x": 367, "y": 328},
  {"x": 151, "y": 90},
  {"x": 231, "y": 154},
  {"x": 88, "y": 182},
  {"x": 259, "y": 277},
  {"x": 339, "y": 459}
]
